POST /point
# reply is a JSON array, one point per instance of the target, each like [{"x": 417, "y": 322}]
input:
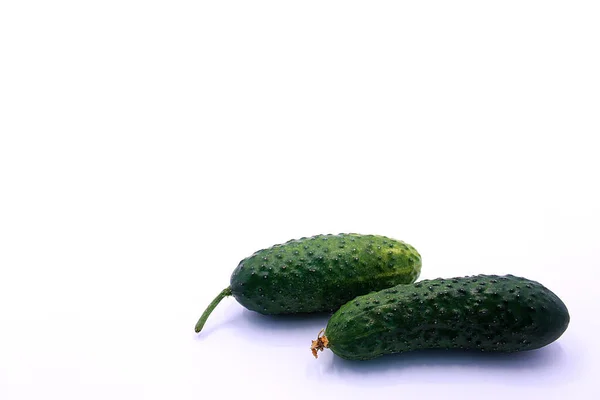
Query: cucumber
[
  {"x": 318, "y": 273},
  {"x": 484, "y": 312}
]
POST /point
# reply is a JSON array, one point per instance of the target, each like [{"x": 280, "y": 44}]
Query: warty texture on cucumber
[
  {"x": 484, "y": 312},
  {"x": 318, "y": 273}
]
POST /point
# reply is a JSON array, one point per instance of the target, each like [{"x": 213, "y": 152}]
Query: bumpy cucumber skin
[
  {"x": 483, "y": 312},
  {"x": 322, "y": 272}
]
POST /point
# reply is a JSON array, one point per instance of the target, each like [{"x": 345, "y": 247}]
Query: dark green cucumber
[
  {"x": 483, "y": 312},
  {"x": 318, "y": 273}
]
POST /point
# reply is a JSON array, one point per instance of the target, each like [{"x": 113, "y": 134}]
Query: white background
[{"x": 148, "y": 146}]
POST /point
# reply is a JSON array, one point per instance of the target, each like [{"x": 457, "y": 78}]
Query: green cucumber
[
  {"x": 318, "y": 273},
  {"x": 484, "y": 312}
]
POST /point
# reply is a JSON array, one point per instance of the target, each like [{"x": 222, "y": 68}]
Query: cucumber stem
[
  {"x": 321, "y": 343},
  {"x": 226, "y": 292}
]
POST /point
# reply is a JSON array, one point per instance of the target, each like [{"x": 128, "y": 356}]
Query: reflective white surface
[{"x": 147, "y": 147}]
